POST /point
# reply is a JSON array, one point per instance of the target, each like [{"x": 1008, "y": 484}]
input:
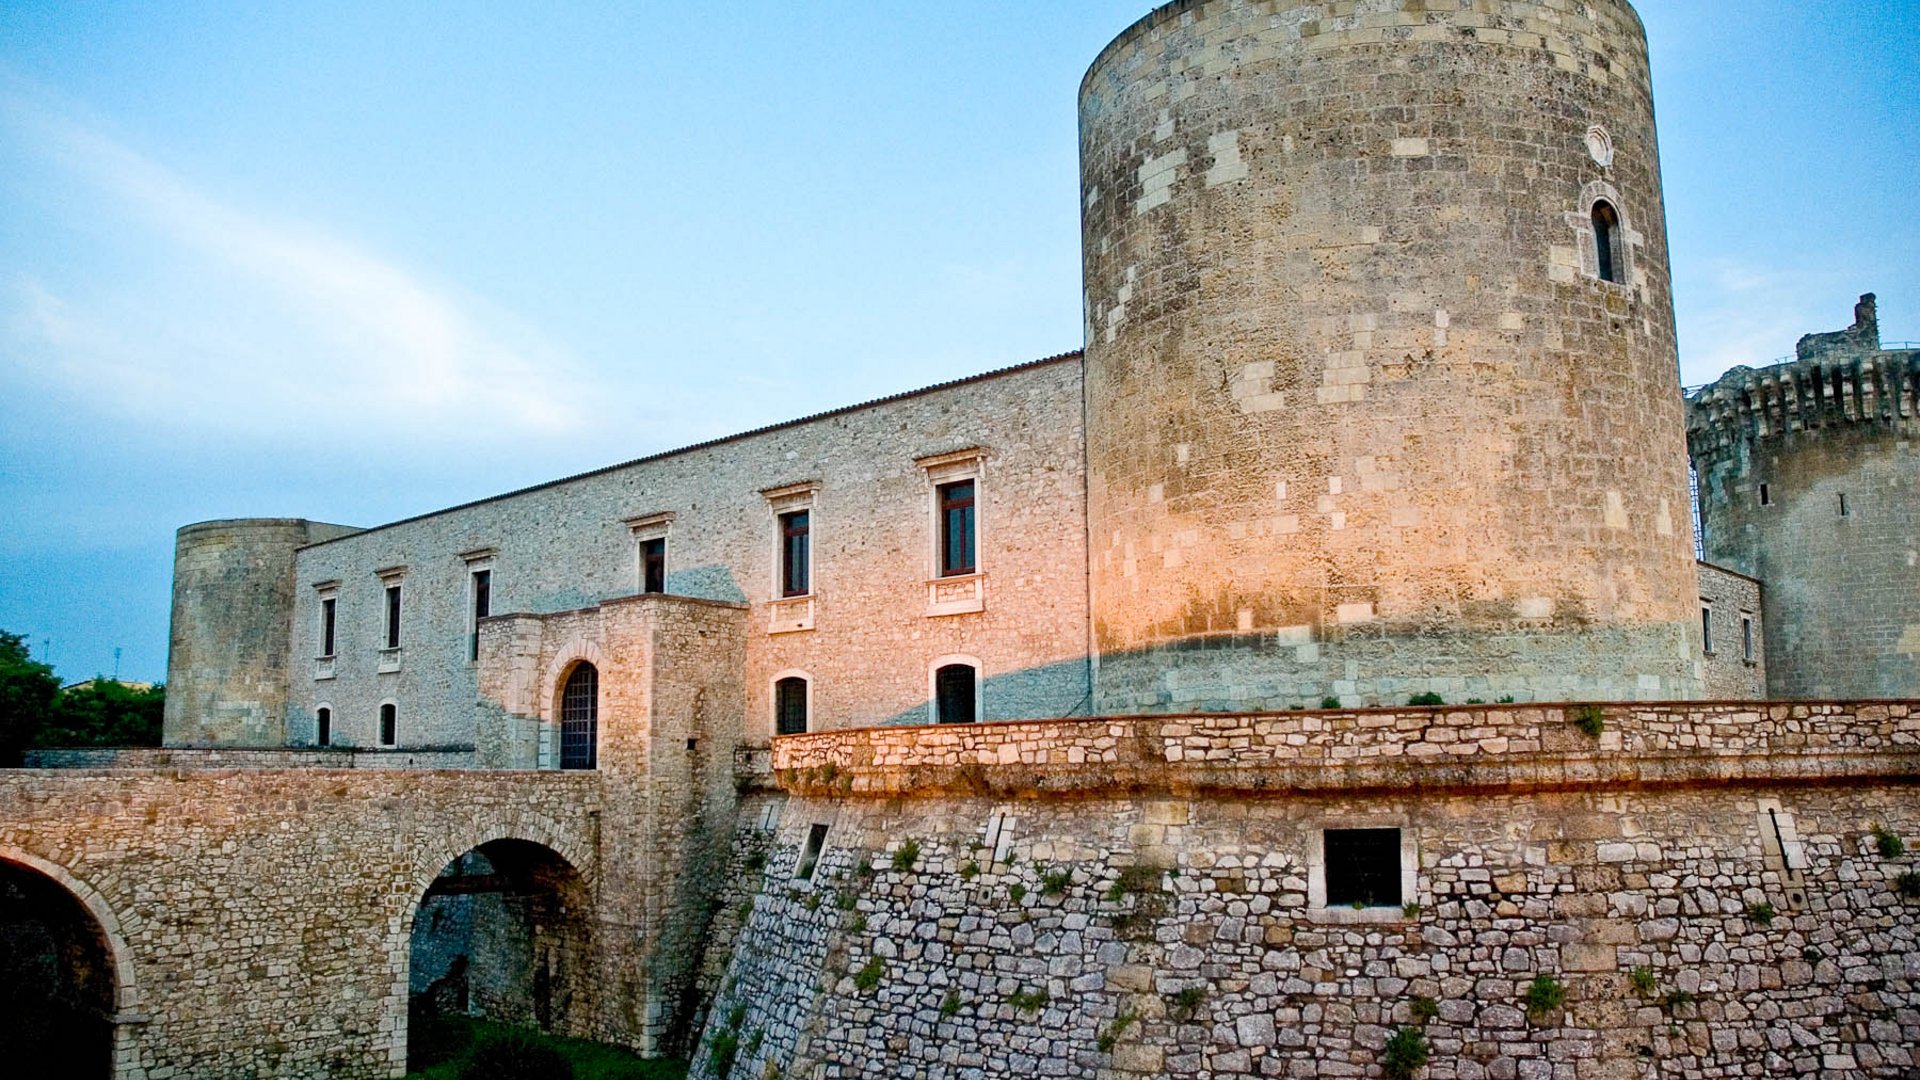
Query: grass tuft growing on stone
[
  {"x": 1055, "y": 882},
  {"x": 1642, "y": 980},
  {"x": 1405, "y": 1053},
  {"x": 1889, "y": 843},
  {"x": 1111, "y": 1035},
  {"x": 1907, "y": 884},
  {"x": 1428, "y": 698},
  {"x": 1544, "y": 995},
  {"x": 1761, "y": 913},
  {"x": 906, "y": 855},
  {"x": 1590, "y": 720},
  {"x": 1424, "y": 1009},
  {"x": 951, "y": 1004},
  {"x": 870, "y": 974},
  {"x": 1185, "y": 1003},
  {"x": 1028, "y": 1000}
]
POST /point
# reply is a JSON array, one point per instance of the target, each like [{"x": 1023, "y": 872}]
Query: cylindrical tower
[
  {"x": 229, "y": 649},
  {"x": 1810, "y": 481},
  {"x": 1381, "y": 386}
]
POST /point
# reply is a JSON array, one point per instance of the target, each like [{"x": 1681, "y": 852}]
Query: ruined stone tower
[
  {"x": 1809, "y": 480},
  {"x": 1380, "y": 370}
]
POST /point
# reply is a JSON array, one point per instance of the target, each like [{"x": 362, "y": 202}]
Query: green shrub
[
  {"x": 1908, "y": 884},
  {"x": 970, "y": 871},
  {"x": 1116, "y": 1029},
  {"x": 1017, "y": 892},
  {"x": 1424, "y": 1009},
  {"x": 870, "y": 974},
  {"x": 950, "y": 1005},
  {"x": 1761, "y": 913},
  {"x": 1590, "y": 720},
  {"x": 906, "y": 855},
  {"x": 1412, "y": 909},
  {"x": 1184, "y": 1004},
  {"x": 1055, "y": 882},
  {"x": 514, "y": 1056},
  {"x": 1544, "y": 995},
  {"x": 1506, "y": 699},
  {"x": 1642, "y": 980},
  {"x": 1329, "y": 702},
  {"x": 1677, "y": 998},
  {"x": 845, "y": 899},
  {"x": 1889, "y": 843},
  {"x": 721, "y": 1051},
  {"x": 1428, "y": 698},
  {"x": 1028, "y": 1000},
  {"x": 1406, "y": 1051}
]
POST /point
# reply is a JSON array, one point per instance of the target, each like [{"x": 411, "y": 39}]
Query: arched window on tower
[
  {"x": 580, "y": 718},
  {"x": 1606, "y": 234}
]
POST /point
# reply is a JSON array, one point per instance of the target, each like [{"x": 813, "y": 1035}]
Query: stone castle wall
[
  {"x": 227, "y": 655},
  {"x": 872, "y": 642},
  {"x": 1735, "y": 668},
  {"x": 1364, "y": 420},
  {"x": 1706, "y": 899},
  {"x": 1810, "y": 481}
]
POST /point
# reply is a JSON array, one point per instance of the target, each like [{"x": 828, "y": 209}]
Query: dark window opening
[
  {"x": 653, "y": 565},
  {"x": 1706, "y": 630},
  {"x": 1843, "y": 504},
  {"x": 810, "y": 856},
  {"x": 793, "y": 553},
  {"x": 1746, "y": 638},
  {"x": 393, "y": 616},
  {"x": 482, "y": 607},
  {"x": 323, "y": 728},
  {"x": 327, "y": 610},
  {"x": 953, "y": 694},
  {"x": 1606, "y": 225},
  {"x": 1766, "y": 497},
  {"x": 580, "y": 719},
  {"x": 790, "y": 706},
  {"x": 1363, "y": 867},
  {"x": 957, "y": 539},
  {"x": 389, "y": 725}
]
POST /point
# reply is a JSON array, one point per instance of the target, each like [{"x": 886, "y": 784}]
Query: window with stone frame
[
  {"x": 790, "y": 705},
  {"x": 1362, "y": 867},
  {"x": 956, "y": 693},
  {"x": 580, "y": 718}
]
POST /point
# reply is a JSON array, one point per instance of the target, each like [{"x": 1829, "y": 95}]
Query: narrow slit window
[
  {"x": 795, "y": 543},
  {"x": 790, "y": 706},
  {"x": 954, "y": 693},
  {"x": 1766, "y": 497},
  {"x": 1843, "y": 504},
  {"x": 389, "y": 724},
  {"x": 1606, "y": 232},
  {"x": 1746, "y": 637},
  {"x": 393, "y": 616},
  {"x": 327, "y": 614},
  {"x": 653, "y": 565},
  {"x": 1706, "y": 630},
  {"x": 1362, "y": 867},
  {"x": 957, "y": 532},
  {"x": 482, "y": 607},
  {"x": 323, "y": 727},
  {"x": 810, "y": 855},
  {"x": 580, "y": 718}
]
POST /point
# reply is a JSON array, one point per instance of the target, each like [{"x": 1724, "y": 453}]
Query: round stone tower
[
  {"x": 1810, "y": 481},
  {"x": 229, "y": 648},
  {"x": 1381, "y": 385}
]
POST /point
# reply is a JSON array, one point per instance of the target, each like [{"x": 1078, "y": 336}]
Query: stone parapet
[
  {"x": 1492, "y": 747},
  {"x": 228, "y": 758}
]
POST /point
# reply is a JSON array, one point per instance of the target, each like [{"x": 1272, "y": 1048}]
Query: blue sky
[{"x": 354, "y": 261}]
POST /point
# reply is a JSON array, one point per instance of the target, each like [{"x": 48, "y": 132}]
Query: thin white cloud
[
  {"x": 1742, "y": 314},
  {"x": 246, "y": 322}
]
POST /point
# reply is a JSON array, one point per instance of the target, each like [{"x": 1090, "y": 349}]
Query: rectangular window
[
  {"x": 323, "y": 727},
  {"x": 482, "y": 607},
  {"x": 1843, "y": 504},
  {"x": 954, "y": 694},
  {"x": 956, "y": 528},
  {"x": 326, "y": 625},
  {"x": 810, "y": 856},
  {"x": 389, "y": 724},
  {"x": 794, "y": 554},
  {"x": 1746, "y": 637},
  {"x": 653, "y": 565},
  {"x": 790, "y": 706},
  {"x": 1706, "y": 630},
  {"x": 1363, "y": 867},
  {"x": 1765, "y": 498},
  {"x": 393, "y": 616}
]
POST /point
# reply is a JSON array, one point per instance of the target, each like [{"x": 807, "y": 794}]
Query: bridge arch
[
  {"x": 73, "y": 928},
  {"x": 497, "y": 924}
]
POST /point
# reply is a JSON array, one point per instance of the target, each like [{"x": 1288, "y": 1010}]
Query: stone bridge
[{"x": 249, "y": 922}]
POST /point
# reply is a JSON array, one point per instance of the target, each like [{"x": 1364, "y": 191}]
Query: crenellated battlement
[{"x": 1837, "y": 379}]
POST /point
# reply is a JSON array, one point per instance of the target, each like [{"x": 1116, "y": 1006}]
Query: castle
[{"x": 1314, "y": 669}]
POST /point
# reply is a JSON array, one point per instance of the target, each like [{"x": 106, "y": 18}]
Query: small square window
[
  {"x": 1362, "y": 867},
  {"x": 810, "y": 856}
]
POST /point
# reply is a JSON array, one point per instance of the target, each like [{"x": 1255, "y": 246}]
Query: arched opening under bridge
[
  {"x": 57, "y": 980},
  {"x": 504, "y": 933}
]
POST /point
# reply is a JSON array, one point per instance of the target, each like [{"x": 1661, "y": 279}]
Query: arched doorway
[
  {"x": 57, "y": 980},
  {"x": 504, "y": 933},
  {"x": 580, "y": 718}
]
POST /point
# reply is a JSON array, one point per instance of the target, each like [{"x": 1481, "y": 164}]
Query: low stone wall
[
  {"x": 165, "y": 757},
  {"x": 1508, "y": 747}
]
